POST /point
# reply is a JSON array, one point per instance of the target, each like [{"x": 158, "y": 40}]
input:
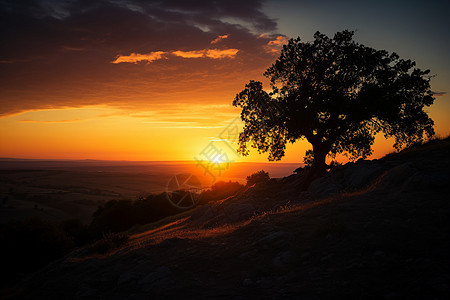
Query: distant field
[{"x": 63, "y": 189}]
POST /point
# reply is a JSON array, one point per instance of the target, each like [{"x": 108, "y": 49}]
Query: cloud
[
  {"x": 51, "y": 121},
  {"x": 217, "y": 53},
  {"x": 188, "y": 116},
  {"x": 136, "y": 57},
  {"x": 275, "y": 45},
  {"x": 437, "y": 94},
  {"x": 152, "y": 56},
  {"x": 219, "y": 38},
  {"x": 160, "y": 116},
  {"x": 209, "y": 53},
  {"x": 180, "y": 125},
  {"x": 190, "y": 54},
  {"x": 280, "y": 40},
  {"x": 88, "y": 52}
]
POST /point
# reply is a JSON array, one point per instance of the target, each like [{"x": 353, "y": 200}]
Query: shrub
[
  {"x": 116, "y": 216},
  {"x": 257, "y": 177},
  {"x": 220, "y": 190},
  {"x": 299, "y": 170}
]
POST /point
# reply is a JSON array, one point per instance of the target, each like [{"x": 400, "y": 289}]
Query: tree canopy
[{"x": 338, "y": 94}]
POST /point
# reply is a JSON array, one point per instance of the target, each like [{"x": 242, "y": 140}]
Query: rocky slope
[{"x": 370, "y": 229}]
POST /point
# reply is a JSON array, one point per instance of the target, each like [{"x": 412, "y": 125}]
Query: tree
[
  {"x": 260, "y": 176},
  {"x": 338, "y": 94}
]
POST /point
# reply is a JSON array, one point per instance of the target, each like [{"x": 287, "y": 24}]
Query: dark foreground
[{"x": 369, "y": 230}]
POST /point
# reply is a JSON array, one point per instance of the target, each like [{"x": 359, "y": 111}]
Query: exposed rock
[
  {"x": 396, "y": 177},
  {"x": 351, "y": 176},
  {"x": 361, "y": 173}
]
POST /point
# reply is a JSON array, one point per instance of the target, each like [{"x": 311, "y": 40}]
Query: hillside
[{"x": 370, "y": 229}]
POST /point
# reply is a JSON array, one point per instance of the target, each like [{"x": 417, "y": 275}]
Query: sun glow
[{"x": 218, "y": 159}]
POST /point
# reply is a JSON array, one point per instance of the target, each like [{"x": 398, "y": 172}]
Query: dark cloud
[
  {"x": 123, "y": 25},
  {"x": 59, "y": 53}
]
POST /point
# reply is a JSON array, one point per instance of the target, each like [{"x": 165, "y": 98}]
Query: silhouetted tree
[
  {"x": 337, "y": 94},
  {"x": 220, "y": 190},
  {"x": 260, "y": 176},
  {"x": 119, "y": 215}
]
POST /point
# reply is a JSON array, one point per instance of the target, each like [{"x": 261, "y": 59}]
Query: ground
[{"x": 367, "y": 230}]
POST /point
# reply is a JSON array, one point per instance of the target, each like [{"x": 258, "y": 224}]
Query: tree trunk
[
  {"x": 320, "y": 153},
  {"x": 319, "y": 166}
]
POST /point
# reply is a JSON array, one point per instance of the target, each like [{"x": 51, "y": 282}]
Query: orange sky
[{"x": 141, "y": 82}]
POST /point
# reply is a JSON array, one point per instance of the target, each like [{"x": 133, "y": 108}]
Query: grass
[{"x": 151, "y": 226}]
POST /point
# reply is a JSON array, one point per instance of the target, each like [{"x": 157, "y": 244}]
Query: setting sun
[{"x": 218, "y": 160}]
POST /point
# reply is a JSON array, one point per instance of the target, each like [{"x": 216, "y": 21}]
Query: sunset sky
[{"x": 154, "y": 80}]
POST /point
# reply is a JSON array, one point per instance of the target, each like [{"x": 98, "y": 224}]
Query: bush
[
  {"x": 257, "y": 177},
  {"x": 299, "y": 170},
  {"x": 110, "y": 241},
  {"x": 120, "y": 215},
  {"x": 220, "y": 190}
]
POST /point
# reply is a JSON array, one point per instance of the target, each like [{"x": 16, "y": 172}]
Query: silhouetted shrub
[
  {"x": 110, "y": 241},
  {"x": 120, "y": 215},
  {"x": 299, "y": 170},
  {"x": 256, "y": 177},
  {"x": 220, "y": 190}
]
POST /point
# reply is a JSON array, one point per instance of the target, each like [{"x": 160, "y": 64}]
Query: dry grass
[{"x": 179, "y": 228}]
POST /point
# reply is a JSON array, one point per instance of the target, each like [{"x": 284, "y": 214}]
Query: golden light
[{"x": 218, "y": 159}]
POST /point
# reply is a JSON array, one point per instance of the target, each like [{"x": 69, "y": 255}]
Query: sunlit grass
[{"x": 181, "y": 228}]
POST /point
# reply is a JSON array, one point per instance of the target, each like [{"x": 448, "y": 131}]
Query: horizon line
[{"x": 131, "y": 161}]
